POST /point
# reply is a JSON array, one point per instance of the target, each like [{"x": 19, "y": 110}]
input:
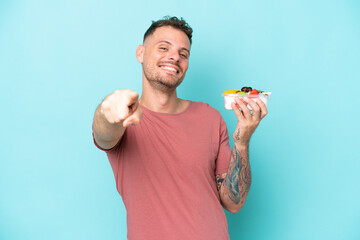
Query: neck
[{"x": 159, "y": 101}]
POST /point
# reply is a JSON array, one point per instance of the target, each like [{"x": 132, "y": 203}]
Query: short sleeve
[
  {"x": 224, "y": 153},
  {"x": 113, "y": 155}
]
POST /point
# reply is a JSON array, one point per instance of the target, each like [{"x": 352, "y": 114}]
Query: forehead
[{"x": 168, "y": 34}]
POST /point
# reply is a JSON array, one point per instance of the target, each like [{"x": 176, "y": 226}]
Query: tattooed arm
[{"x": 234, "y": 185}]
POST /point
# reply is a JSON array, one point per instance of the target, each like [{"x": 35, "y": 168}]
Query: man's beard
[{"x": 159, "y": 83}]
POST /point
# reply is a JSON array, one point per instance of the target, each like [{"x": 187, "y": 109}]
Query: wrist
[{"x": 242, "y": 146}]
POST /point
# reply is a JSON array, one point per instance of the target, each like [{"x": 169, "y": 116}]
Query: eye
[
  {"x": 183, "y": 55},
  {"x": 163, "y": 48}
]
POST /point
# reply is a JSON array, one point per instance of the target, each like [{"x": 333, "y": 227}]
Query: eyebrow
[{"x": 167, "y": 42}]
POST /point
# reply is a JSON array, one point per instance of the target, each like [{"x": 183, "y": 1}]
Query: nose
[{"x": 174, "y": 56}]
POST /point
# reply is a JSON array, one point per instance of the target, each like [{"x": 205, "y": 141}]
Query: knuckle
[
  {"x": 116, "y": 93},
  {"x": 247, "y": 110},
  {"x": 104, "y": 105},
  {"x": 110, "y": 120},
  {"x": 121, "y": 116}
]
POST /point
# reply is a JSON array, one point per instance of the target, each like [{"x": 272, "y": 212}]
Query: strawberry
[{"x": 253, "y": 94}]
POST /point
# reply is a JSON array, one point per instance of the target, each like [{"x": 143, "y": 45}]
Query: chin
[
  {"x": 163, "y": 82},
  {"x": 170, "y": 81},
  {"x": 164, "y": 85},
  {"x": 170, "y": 85}
]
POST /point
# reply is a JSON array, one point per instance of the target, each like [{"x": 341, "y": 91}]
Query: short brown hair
[{"x": 174, "y": 22}]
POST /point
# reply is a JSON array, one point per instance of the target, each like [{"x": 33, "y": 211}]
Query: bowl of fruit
[{"x": 254, "y": 94}]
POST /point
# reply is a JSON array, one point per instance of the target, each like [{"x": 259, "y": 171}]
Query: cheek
[
  {"x": 155, "y": 58},
  {"x": 149, "y": 59},
  {"x": 185, "y": 66}
]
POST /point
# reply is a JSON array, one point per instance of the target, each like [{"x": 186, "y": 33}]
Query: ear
[{"x": 140, "y": 53}]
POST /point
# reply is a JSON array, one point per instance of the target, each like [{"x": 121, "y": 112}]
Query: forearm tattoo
[
  {"x": 236, "y": 182},
  {"x": 237, "y": 137}
]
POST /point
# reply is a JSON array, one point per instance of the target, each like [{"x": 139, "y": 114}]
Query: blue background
[{"x": 59, "y": 59}]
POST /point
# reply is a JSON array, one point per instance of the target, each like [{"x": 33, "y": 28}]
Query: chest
[{"x": 163, "y": 147}]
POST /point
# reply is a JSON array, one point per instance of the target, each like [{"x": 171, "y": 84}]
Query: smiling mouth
[{"x": 174, "y": 70}]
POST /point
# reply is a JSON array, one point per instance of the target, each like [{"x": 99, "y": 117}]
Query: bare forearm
[
  {"x": 236, "y": 182},
  {"x": 117, "y": 111},
  {"x": 104, "y": 130}
]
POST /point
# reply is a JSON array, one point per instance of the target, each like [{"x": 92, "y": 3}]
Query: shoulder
[
  {"x": 205, "y": 113},
  {"x": 205, "y": 108}
]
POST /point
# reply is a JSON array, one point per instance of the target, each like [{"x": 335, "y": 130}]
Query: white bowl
[{"x": 229, "y": 98}]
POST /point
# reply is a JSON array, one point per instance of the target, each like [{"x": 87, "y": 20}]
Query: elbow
[
  {"x": 233, "y": 211},
  {"x": 236, "y": 208}
]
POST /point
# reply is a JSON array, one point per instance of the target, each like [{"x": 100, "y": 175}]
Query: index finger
[
  {"x": 132, "y": 97},
  {"x": 134, "y": 106}
]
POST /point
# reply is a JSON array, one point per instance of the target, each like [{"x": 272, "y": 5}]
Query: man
[{"x": 171, "y": 157}]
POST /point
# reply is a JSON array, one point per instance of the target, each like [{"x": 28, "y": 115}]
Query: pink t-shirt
[{"x": 165, "y": 171}]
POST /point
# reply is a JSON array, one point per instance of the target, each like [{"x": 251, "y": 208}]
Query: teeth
[{"x": 169, "y": 68}]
